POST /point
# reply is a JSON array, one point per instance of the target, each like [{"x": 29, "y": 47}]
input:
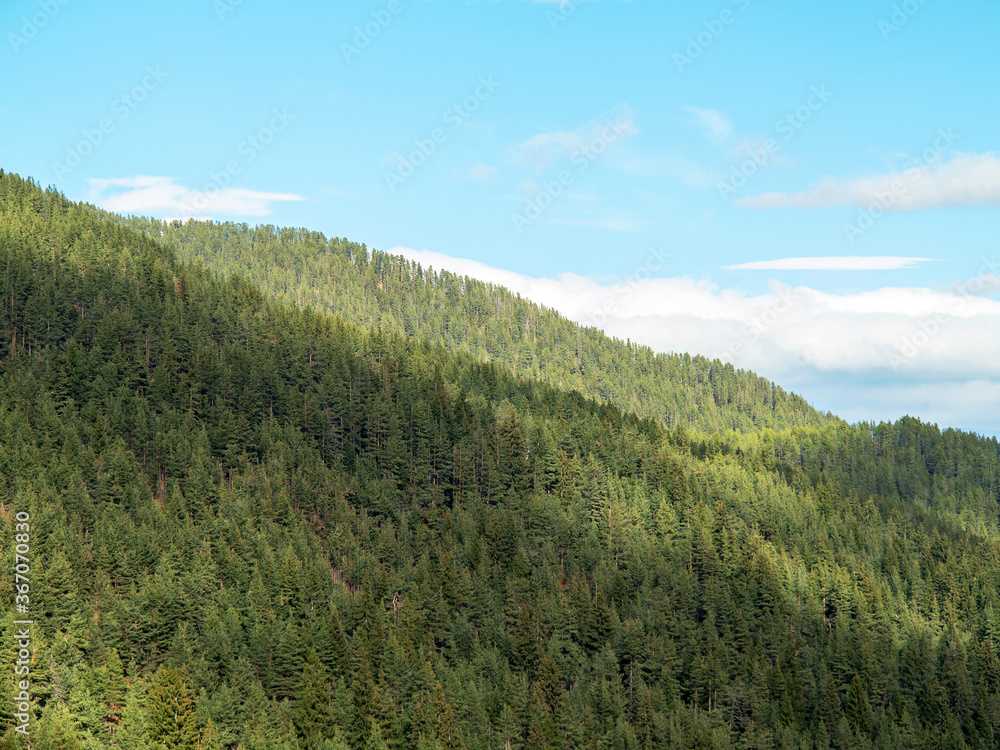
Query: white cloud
[
  {"x": 718, "y": 128},
  {"x": 965, "y": 179},
  {"x": 838, "y": 346},
  {"x": 164, "y": 198},
  {"x": 757, "y": 148},
  {"x": 482, "y": 173},
  {"x": 732, "y": 147},
  {"x": 672, "y": 164},
  {"x": 833, "y": 263},
  {"x": 593, "y": 137}
]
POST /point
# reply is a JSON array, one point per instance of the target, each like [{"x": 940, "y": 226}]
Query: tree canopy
[{"x": 259, "y": 525}]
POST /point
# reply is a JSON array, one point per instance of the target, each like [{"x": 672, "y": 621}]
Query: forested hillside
[
  {"x": 374, "y": 289},
  {"x": 259, "y": 526}
]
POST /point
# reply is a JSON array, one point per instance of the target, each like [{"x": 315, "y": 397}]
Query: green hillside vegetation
[
  {"x": 376, "y": 290},
  {"x": 260, "y": 526}
]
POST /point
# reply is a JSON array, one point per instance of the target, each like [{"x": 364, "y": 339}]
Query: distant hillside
[{"x": 373, "y": 289}]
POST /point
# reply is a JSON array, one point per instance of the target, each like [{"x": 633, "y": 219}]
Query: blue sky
[{"x": 648, "y": 167}]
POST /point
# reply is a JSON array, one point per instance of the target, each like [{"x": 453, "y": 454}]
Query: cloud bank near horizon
[{"x": 876, "y": 354}]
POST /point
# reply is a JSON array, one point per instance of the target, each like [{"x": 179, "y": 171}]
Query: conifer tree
[
  {"x": 314, "y": 714},
  {"x": 170, "y": 711}
]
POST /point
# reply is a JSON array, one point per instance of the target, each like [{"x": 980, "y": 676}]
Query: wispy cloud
[
  {"x": 482, "y": 173},
  {"x": 734, "y": 148},
  {"x": 833, "y": 263},
  {"x": 163, "y": 197},
  {"x": 542, "y": 149},
  {"x": 966, "y": 179},
  {"x": 718, "y": 128},
  {"x": 672, "y": 164}
]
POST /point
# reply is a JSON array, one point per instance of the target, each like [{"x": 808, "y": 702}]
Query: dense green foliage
[
  {"x": 259, "y": 526},
  {"x": 375, "y": 290}
]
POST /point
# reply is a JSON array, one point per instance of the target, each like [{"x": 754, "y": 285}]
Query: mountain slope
[
  {"x": 375, "y": 289},
  {"x": 256, "y": 526}
]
